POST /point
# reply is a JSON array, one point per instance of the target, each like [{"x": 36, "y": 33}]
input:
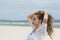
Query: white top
[{"x": 39, "y": 34}]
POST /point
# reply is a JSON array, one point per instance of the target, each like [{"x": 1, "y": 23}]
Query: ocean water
[{"x": 56, "y": 23}]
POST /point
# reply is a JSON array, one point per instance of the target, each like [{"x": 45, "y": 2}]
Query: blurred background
[
  {"x": 16, "y": 11},
  {"x": 13, "y": 16}
]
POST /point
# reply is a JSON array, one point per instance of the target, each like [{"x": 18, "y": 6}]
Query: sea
[{"x": 56, "y": 23}]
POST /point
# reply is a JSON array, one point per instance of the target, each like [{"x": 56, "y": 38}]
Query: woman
[{"x": 42, "y": 26}]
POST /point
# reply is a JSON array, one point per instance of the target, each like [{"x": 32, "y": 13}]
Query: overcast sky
[{"x": 19, "y": 9}]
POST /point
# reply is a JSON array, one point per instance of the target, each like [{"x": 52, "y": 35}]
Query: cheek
[{"x": 36, "y": 22}]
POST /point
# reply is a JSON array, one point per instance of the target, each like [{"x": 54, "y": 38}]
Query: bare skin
[{"x": 35, "y": 20}]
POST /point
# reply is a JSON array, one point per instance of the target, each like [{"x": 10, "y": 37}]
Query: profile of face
[{"x": 35, "y": 20}]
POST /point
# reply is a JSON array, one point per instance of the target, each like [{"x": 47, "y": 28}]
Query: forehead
[{"x": 34, "y": 16}]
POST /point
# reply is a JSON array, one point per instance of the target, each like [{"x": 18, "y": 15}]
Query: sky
[{"x": 20, "y": 9}]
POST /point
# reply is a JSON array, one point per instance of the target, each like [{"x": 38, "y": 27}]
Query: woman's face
[{"x": 35, "y": 20}]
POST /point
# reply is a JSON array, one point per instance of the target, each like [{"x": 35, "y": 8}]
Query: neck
[{"x": 38, "y": 26}]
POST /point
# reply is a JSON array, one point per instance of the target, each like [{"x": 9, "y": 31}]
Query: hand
[{"x": 45, "y": 15}]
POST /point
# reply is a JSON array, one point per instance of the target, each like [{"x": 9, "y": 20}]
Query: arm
[{"x": 45, "y": 17}]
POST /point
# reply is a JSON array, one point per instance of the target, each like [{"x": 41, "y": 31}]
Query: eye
[{"x": 34, "y": 18}]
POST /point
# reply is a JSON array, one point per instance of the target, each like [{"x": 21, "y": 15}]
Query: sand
[{"x": 20, "y": 32}]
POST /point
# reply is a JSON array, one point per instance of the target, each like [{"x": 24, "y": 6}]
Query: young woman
[{"x": 42, "y": 23}]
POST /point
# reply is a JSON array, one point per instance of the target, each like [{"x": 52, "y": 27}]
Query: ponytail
[{"x": 50, "y": 25}]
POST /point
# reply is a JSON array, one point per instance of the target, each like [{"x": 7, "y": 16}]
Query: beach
[{"x": 20, "y": 32}]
